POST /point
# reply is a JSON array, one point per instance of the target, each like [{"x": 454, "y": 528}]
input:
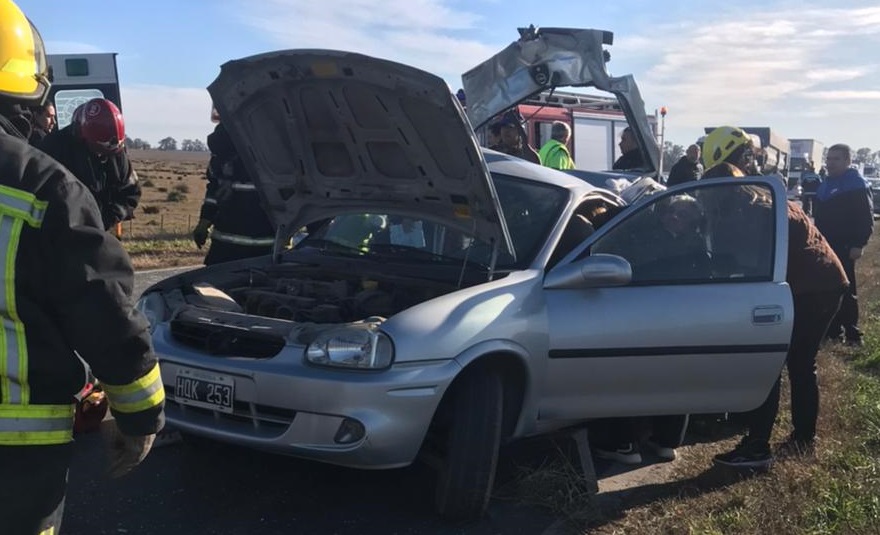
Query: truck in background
[
  {"x": 804, "y": 152},
  {"x": 78, "y": 78}
]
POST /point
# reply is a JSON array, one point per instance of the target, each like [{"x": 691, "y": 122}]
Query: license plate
[{"x": 204, "y": 389}]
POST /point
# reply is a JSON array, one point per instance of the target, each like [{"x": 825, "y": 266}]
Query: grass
[
  {"x": 173, "y": 190},
  {"x": 837, "y": 491},
  {"x": 163, "y": 251}
]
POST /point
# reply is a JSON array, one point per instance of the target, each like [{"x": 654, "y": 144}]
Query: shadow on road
[{"x": 206, "y": 488}]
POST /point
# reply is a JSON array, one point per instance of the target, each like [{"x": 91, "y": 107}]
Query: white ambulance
[{"x": 78, "y": 78}]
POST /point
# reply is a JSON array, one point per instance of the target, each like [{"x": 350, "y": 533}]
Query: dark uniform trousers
[
  {"x": 847, "y": 318},
  {"x": 32, "y": 499}
]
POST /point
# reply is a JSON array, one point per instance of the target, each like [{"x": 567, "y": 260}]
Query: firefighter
[
  {"x": 92, "y": 147},
  {"x": 241, "y": 228},
  {"x": 67, "y": 300}
]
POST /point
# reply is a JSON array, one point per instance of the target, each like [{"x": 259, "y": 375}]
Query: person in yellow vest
[
  {"x": 67, "y": 303},
  {"x": 555, "y": 152}
]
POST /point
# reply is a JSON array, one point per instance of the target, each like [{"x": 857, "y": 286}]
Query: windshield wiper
[{"x": 332, "y": 247}]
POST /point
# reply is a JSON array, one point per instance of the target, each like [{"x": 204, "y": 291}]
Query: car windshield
[{"x": 530, "y": 209}]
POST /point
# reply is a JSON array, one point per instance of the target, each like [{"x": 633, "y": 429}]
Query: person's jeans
[
  {"x": 812, "y": 315},
  {"x": 847, "y": 318}
]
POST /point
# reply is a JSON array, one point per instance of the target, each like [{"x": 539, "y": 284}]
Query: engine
[{"x": 333, "y": 298}]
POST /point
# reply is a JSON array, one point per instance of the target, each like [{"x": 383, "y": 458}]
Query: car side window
[{"x": 705, "y": 234}]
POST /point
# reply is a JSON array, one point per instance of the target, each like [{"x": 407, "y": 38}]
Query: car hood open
[
  {"x": 325, "y": 132},
  {"x": 548, "y": 58}
]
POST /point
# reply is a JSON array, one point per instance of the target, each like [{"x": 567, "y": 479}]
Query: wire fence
[{"x": 158, "y": 227}]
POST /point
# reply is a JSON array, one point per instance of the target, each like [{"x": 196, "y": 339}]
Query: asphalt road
[
  {"x": 207, "y": 488},
  {"x": 199, "y": 488}
]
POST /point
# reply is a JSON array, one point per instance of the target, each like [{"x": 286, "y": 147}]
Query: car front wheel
[{"x": 473, "y": 437}]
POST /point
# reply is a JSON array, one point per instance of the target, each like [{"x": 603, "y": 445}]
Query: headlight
[
  {"x": 360, "y": 346},
  {"x": 152, "y": 306}
]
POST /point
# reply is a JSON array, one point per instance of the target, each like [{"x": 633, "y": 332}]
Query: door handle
[{"x": 767, "y": 315}]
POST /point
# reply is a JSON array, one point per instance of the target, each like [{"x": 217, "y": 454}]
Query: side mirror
[{"x": 596, "y": 271}]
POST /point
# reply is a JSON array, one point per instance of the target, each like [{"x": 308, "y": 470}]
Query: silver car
[{"x": 430, "y": 297}]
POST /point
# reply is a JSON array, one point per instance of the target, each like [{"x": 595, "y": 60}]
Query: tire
[{"x": 473, "y": 438}]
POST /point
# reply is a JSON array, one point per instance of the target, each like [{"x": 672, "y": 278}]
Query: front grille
[
  {"x": 247, "y": 418},
  {"x": 223, "y": 340}
]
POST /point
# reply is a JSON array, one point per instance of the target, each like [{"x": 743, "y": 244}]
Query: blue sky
[{"x": 802, "y": 67}]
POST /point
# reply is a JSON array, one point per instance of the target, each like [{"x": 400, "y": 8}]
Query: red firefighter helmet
[{"x": 101, "y": 126}]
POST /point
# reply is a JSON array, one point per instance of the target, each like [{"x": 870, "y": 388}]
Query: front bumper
[{"x": 283, "y": 405}]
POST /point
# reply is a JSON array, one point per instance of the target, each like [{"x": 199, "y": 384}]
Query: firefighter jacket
[
  {"x": 112, "y": 180},
  {"x": 232, "y": 204},
  {"x": 67, "y": 300}
]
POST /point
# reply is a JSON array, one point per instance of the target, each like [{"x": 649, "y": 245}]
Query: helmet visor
[{"x": 42, "y": 73}]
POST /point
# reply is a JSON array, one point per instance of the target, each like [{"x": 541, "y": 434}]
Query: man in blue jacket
[{"x": 844, "y": 212}]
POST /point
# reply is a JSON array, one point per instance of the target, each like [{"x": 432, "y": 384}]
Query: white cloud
[
  {"x": 421, "y": 33},
  {"x": 790, "y": 69},
  {"x": 761, "y": 73},
  {"x": 153, "y": 112},
  {"x": 836, "y": 75},
  {"x": 843, "y": 95}
]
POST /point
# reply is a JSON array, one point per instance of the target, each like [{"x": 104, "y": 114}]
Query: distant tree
[
  {"x": 863, "y": 155},
  {"x": 199, "y": 146},
  {"x": 876, "y": 157},
  {"x": 136, "y": 143},
  {"x": 671, "y": 154},
  {"x": 169, "y": 143},
  {"x": 187, "y": 145}
]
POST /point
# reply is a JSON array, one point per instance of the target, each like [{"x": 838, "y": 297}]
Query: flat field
[{"x": 173, "y": 184}]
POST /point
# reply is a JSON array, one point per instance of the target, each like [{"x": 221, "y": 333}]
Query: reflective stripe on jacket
[
  {"x": 67, "y": 288},
  {"x": 20, "y": 422},
  {"x": 138, "y": 395},
  {"x": 238, "y": 239}
]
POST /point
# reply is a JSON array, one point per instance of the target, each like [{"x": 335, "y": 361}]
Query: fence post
[{"x": 162, "y": 224}]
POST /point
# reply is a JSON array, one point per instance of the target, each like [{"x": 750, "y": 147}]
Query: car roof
[{"x": 498, "y": 162}]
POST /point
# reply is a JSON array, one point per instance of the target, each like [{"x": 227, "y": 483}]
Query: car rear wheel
[{"x": 472, "y": 440}]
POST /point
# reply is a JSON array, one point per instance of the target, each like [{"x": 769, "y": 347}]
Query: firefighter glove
[
  {"x": 855, "y": 253},
  {"x": 125, "y": 451},
  {"x": 200, "y": 233}
]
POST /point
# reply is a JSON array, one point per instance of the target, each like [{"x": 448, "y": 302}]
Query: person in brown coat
[{"x": 817, "y": 282}]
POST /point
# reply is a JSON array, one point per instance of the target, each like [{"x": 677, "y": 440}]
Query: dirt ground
[{"x": 173, "y": 184}]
